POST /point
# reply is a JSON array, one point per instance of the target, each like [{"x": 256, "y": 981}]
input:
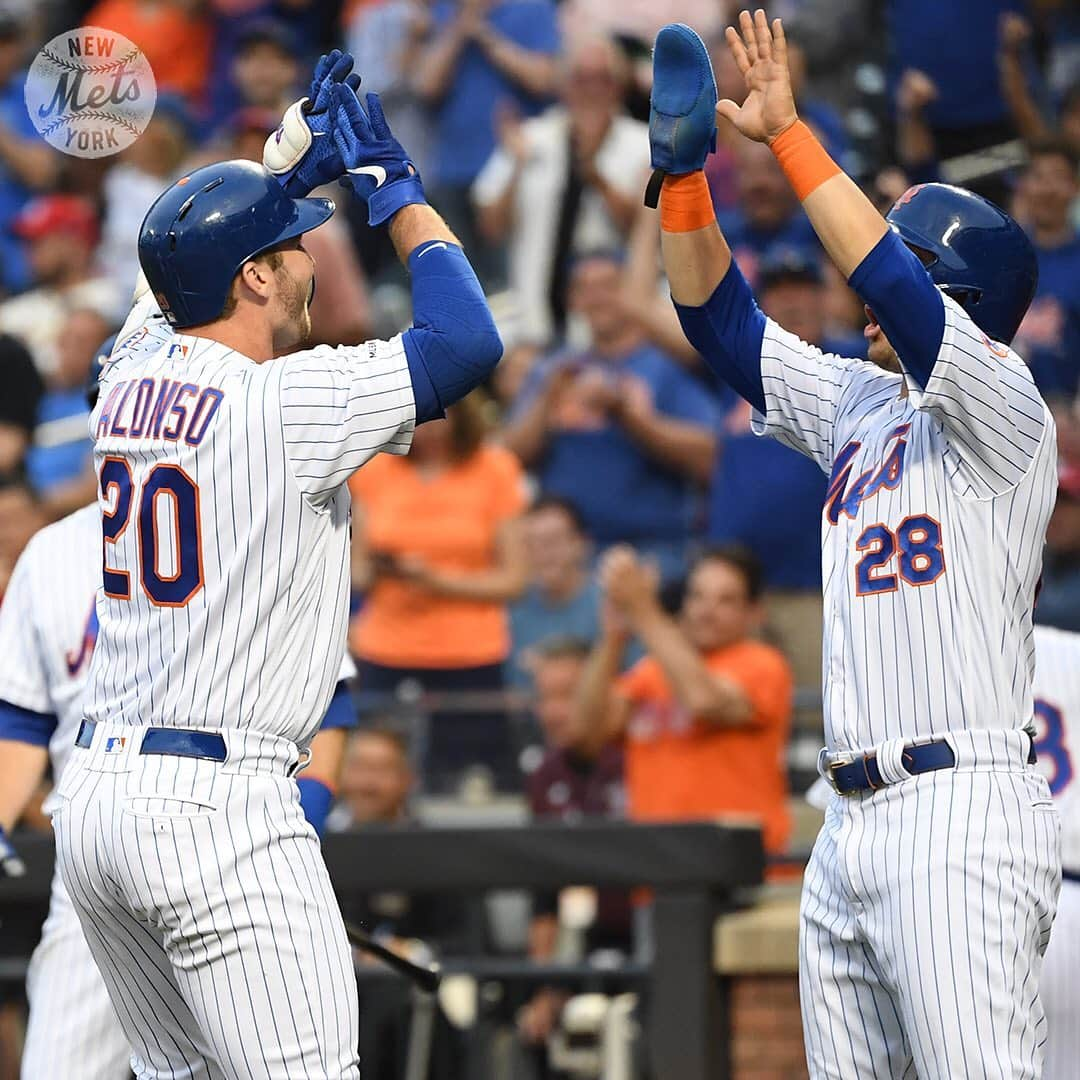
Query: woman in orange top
[
  {"x": 438, "y": 547},
  {"x": 706, "y": 713}
]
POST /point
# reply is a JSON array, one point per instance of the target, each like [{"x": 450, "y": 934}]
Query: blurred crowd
[{"x": 591, "y": 584}]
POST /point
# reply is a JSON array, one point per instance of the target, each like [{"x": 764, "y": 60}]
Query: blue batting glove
[
  {"x": 10, "y": 863},
  {"x": 301, "y": 153},
  {"x": 377, "y": 168}
]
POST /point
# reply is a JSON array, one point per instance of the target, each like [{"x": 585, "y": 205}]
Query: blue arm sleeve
[
  {"x": 453, "y": 345},
  {"x": 728, "y": 330},
  {"x": 315, "y": 800},
  {"x": 25, "y": 725},
  {"x": 905, "y": 302},
  {"x": 340, "y": 712}
]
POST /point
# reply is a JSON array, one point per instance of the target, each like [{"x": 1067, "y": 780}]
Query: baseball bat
[{"x": 426, "y": 978}]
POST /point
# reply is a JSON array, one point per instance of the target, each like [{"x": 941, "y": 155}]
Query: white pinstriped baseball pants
[
  {"x": 73, "y": 1030},
  {"x": 926, "y": 910},
  {"x": 1061, "y": 988},
  {"x": 206, "y": 903}
]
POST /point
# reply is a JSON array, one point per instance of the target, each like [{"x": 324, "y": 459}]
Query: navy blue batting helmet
[
  {"x": 978, "y": 255},
  {"x": 93, "y": 376},
  {"x": 201, "y": 231}
]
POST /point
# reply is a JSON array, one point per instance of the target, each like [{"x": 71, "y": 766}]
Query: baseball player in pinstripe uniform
[
  {"x": 930, "y": 894},
  {"x": 222, "y": 457},
  {"x": 48, "y": 628},
  {"x": 1057, "y": 740}
]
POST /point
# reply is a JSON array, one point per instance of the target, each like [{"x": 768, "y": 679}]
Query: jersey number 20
[{"x": 168, "y": 482}]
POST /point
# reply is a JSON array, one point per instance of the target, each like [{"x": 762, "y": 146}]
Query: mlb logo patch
[{"x": 115, "y": 743}]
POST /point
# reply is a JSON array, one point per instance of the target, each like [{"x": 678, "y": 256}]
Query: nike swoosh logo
[
  {"x": 376, "y": 172},
  {"x": 317, "y": 134},
  {"x": 432, "y": 247}
]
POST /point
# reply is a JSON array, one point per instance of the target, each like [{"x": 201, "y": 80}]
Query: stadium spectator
[
  {"x": 1049, "y": 337},
  {"x": 138, "y": 177},
  {"x": 58, "y": 465},
  {"x": 60, "y": 233},
  {"x": 23, "y": 391},
  {"x": 767, "y": 215},
  {"x": 563, "y": 183},
  {"x": 175, "y": 36},
  {"x": 440, "y": 549},
  {"x": 27, "y": 163},
  {"x": 755, "y": 477},
  {"x": 266, "y": 67},
  {"x": 638, "y": 20},
  {"x": 563, "y": 600},
  {"x": 706, "y": 712},
  {"x": 579, "y": 776},
  {"x": 1058, "y": 603},
  {"x": 376, "y": 781},
  {"x": 620, "y": 430},
  {"x": 20, "y": 517},
  {"x": 482, "y": 57}
]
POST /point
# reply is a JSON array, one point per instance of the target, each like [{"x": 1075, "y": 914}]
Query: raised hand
[
  {"x": 377, "y": 167},
  {"x": 760, "y": 53},
  {"x": 301, "y": 152}
]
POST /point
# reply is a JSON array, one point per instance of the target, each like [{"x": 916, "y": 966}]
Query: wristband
[
  {"x": 685, "y": 203},
  {"x": 806, "y": 163},
  {"x": 316, "y": 799},
  {"x": 387, "y": 200}
]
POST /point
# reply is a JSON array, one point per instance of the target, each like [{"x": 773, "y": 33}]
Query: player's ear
[{"x": 257, "y": 277}]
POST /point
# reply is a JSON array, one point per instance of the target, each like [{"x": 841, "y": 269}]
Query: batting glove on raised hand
[
  {"x": 10, "y": 863},
  {"x": 302, "y": 153},
  {"x": 377, "y": 168}
]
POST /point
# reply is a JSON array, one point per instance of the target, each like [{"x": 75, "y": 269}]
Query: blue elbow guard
[
  {"x": 728, "y": 330},
  {"x": 315, "y": 800},
  {"x": 453, "y": 345},
  {"x": 25, "y": 725},
  {"x": 906, "y": 303}
]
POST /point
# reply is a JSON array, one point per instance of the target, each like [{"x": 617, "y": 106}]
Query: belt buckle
[{"x": 836, "y": 763}]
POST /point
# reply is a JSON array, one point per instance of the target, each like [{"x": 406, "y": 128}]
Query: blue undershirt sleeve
[
  {"x": 728, "y": 330},
  {"x": 340, "y": 712},
  {"x": 905, "y": 302},
  {"x": 25, "y": 725},
  {"x": 453, "y": 345}
]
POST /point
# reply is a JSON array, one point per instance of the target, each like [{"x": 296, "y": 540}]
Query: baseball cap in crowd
[
  {"x": 780, "y": 264},
  {"x": 268, "y": 31},
  {"x": 1069, "y": 479},
  {"x": 48, "y": 214}
]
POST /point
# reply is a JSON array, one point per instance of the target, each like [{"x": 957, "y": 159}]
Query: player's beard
[{"x": 294, "y": 299}]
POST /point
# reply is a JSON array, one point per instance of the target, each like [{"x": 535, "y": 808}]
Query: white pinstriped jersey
[
  {"x": 226, "y": 524},
  {"x": 1057, "y": 730},
  {"x": 932, "y": 530},
  {"x": 48, "y": 625}
]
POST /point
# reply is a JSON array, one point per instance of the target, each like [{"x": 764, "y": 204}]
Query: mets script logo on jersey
[
  {"x": 845, "y": 498},
  {"x": 76, "y": 660}
]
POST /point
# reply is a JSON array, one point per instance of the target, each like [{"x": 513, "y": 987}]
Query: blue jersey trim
[
  {"x": 340, "y": 713},
  {"x": 25, "y": 725}
]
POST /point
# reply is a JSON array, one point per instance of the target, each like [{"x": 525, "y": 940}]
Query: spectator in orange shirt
[
  {"x": 706, "y": 712},
  {"x": 438, "y": 547}
]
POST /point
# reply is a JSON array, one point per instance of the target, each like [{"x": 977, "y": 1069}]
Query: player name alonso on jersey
[{"x": 186, "y": 429}]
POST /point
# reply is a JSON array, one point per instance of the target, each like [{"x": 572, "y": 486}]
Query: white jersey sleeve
[
  {"x": 803, "y": 389},
  {"x": 24, "y": 678},
  {"x": 341, "y": 406},
  {"x": 985, "y": 398}
]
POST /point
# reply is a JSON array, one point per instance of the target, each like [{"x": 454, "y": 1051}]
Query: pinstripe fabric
[
  {"x": 199, "y": 886},
  {"x": 926, "y": 909},
  {"x": 47, "y": 633},
  {"x": 1057, "y": 719},
  {"x": 927, "y": 904}
]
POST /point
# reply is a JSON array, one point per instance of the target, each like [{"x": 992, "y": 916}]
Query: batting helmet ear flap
[{"x": 202, "y": 230}]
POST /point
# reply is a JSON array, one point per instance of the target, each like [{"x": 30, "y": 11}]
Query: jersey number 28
[
  {"x": 164, "y": 482},
  {"x": 917, "y": 542}
]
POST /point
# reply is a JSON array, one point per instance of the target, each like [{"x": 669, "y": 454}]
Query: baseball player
[
  {"x": 222, "y": 615},
  {"x": 1057, "y": 740},
  {"x": 48, "y": 628},
  {"x": 931, "y": 890}
]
